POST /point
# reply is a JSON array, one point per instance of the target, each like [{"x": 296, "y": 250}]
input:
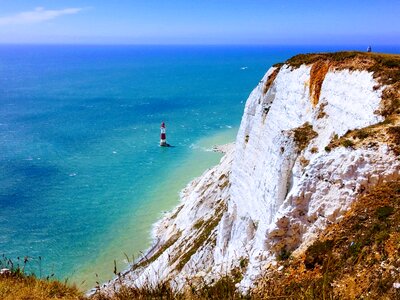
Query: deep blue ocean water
[{"x": 81, "y": 175}]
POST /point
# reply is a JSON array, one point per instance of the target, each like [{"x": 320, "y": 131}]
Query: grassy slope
[
  {"x": 19, "y": 286},
  {"x": 357, "y": 258}
]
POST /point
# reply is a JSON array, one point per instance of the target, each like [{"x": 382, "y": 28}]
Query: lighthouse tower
[{"x": 163, "y": 138}]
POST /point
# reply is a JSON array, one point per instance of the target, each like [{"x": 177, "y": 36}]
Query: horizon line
[{"x": 191, "y": 44}]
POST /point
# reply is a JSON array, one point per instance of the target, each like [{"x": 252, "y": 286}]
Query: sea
[{"x": 82, "y": 176}]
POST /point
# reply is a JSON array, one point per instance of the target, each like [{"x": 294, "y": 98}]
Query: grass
[
  {"x": 199, "y": 224},
  {"x": 224, "y": 288},
  {"x": 244, "y": 262},
  {"x": 161, "y": 291},
  {"x": 384, "y": 212},
  {"x": 353, "y": 60},
  {"x": 32, "y": 288},
  {"x": 321, "y": 110},
  {"x": 317, "y": 253},
  {"x": 307, "y": 59},
  {"x": 394, "y": 133},
  {"x": 362, "y": 134},
  {"x": 17, "y": 284},
  {"x": 284, "y": 254},
  {"x": 314, "y": 150}
]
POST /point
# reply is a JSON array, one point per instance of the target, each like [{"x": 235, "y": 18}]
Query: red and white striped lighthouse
[{"x": 163, "y": 138}]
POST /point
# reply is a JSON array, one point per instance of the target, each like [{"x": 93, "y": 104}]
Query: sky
[{"x": 269, "y": 22}]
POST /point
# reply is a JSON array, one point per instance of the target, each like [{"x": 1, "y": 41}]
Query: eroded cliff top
[
  {"x": 385, "y": 67},
  {"x": 386, "y": 71}
]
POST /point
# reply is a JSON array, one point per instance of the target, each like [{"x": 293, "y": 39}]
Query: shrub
[
  {"x": 303, "y": 135},
  {"x": 362, "y": 134},
  {"x": 394, "y": 132},
  {"x": 384, "y": 212},
  {"x": 314, "y": 150},
  {"x": 317, "y": 253},
  {"x": 284, "y": 255},
  {"x": 347, "y": 143}
]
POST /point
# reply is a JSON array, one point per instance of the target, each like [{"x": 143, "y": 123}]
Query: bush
[
  {"x": 362, "y": 134},
  {"x": 284, "y": 255},
  {"x": 303, "y": 135},
  {"x": 384, "y": 212},
  {"x": 347, "y": 143}
]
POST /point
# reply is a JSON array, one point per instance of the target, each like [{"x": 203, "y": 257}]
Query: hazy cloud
[{"x": 38, "y": 15}]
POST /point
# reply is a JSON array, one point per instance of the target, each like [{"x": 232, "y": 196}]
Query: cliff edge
[{"x": 317, "y": 133}]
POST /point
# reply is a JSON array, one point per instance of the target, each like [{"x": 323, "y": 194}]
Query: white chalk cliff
[{"x": 272, "y": 194}]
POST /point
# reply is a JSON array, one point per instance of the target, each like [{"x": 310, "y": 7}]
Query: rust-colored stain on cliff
[
  {"x": 270, "y": 80},
  {"x": 317, "y": 75}
]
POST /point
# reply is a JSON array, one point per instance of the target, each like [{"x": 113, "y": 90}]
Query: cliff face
[{"x": 316, "y": 133}]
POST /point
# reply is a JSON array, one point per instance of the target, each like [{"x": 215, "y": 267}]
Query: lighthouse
[{"x": 163, "y": 138}]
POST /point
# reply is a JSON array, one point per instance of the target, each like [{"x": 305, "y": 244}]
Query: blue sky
[{"x": 281, "y": 22}]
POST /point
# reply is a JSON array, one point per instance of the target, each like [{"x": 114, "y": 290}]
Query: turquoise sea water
[{"x": 81, "y": 175}]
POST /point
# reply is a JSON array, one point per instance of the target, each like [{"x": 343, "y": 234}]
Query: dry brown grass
[
  {"x": 14, "y": 287},
  {"x": 357, "y": 258},
  {"x": 381, "y": 63},
  {"x": 391, "y": 100},
  {"x": 224, "y": 288}
]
